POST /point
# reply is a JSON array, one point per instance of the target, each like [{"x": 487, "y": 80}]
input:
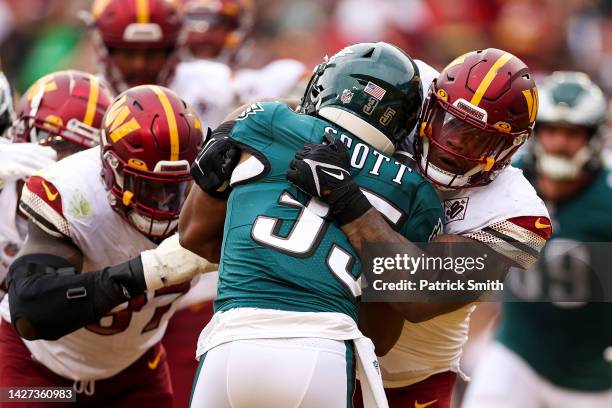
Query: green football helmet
[
  {"x": 372, "y": 90},
  {"x": 569, "y": 98}
]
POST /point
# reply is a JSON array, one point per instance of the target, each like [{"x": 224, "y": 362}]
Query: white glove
[
  {"x": 21, "y": 160},
  {"x": 170, "y": 264}
]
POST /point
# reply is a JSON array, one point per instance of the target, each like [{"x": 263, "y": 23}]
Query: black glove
[
  {"x": 322, "y": 170},
  {"x": 213, "y": 167}
]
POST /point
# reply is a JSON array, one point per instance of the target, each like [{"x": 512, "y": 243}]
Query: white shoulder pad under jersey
[
  {"x": 68, "y": 199},
  {"x": 507, "y": 213},
  {"x": 207, "y": 87},
  {"x": 278, "y": 79}
]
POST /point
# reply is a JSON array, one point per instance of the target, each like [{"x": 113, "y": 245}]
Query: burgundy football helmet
[
  {"x": 139, "y": 26},
  {"x": 150, "y": 137},
  {"x": 479, "y": 111},
  {"x": 63, "y": 110},
  {"x": 214, "y": 29}
]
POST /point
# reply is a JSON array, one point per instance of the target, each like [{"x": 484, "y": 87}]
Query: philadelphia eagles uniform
[
  {"x": 278, "y": 251},
  {"x": 287, "y": 274},
  {"x": 561, "y": 352},
  {"x": 577, "y": 337}
]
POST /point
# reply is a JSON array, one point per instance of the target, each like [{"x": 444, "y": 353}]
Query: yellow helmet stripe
[
  {"x": 92, "y": 101},
  {"x": 142, "y": 11},
  {"x": 489, "y": 77},
  {"x": 174, "y": 136}
]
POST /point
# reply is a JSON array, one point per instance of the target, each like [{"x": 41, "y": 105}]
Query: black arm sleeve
[{"x": 49, "y": 297}]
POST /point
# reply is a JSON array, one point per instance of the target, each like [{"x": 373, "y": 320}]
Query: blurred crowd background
[{"x": 40, "y": 36}]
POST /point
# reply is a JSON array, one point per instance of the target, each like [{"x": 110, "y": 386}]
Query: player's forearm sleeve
[{"x": 49, "y": 297}]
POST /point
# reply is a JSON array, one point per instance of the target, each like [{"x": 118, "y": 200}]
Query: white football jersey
[
  {"x": 278, "y": 79},
  {"x": 69, "y": 200},
  {"x": 18, "y": 161},
  {"x": 13, "y": 229},
  {"x": 207, "y": 87},
  {"x": 505, "y": 211}
]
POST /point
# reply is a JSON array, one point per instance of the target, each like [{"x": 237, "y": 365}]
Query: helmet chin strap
[
  {"x": 150, "y": 227},
  {"x": 561, "y": 168}
]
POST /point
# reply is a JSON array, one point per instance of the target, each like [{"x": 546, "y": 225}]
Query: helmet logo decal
[
  {"x": 386, "y": 117},
  {"x": 489, "y": 77},
  {"x": 171, "y": 118},
  {"x": 346, "y": 96},
  {"x": 531, "y": 96},
  {"x": 116, "y": 121},
  {"x": 375, "y": 90},
  {"x": 369, "y": 107},
  {"x": 92, "y": 101}
]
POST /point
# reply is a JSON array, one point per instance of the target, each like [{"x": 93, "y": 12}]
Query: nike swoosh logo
[
  {"x": 50, "y": 196},
  {"x": 540, "y": 225},
  {"x": 417, "y": 405},
  {"x": 155, "y": 362},
  {"x": 339, "y": 176}
]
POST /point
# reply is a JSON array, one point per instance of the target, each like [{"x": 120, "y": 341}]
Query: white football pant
[
  {"x": 276, "y": 373},
  {"x": 502, "y": 379}
]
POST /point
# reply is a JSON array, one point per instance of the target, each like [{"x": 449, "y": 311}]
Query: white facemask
[{"x": 558, "y": 167}]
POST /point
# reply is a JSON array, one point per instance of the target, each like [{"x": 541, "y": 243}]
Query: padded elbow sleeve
[{"x": 49, "y": 297}]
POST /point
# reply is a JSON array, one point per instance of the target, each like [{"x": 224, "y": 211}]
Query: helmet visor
[
  {"x": 458, "y": 146},
  {"x": 158, "y": 195}
]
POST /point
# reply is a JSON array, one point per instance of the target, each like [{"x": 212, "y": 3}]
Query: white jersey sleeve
[{"x": 506, "y": 214}]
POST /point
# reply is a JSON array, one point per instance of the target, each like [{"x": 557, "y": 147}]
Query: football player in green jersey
[
  {"x": 559, "y": 354},
  {"x": 478, "y": 111},
  {"x": 289, "y": 285}
]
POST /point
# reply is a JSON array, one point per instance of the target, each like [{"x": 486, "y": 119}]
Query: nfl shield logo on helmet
[{"x": 346, "y": 96}]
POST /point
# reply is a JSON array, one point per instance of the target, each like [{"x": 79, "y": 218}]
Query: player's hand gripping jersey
[{"x": 279, "y": 251}]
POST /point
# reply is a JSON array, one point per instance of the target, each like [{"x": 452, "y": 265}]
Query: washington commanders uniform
[
  {"x": 68, "y": 200},
  {"x": 506, "y": 214}
]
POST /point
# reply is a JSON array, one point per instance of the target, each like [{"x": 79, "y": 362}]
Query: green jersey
[
  {"x": 567, "y": 343},
  {"x": 279, "y": 249}
]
